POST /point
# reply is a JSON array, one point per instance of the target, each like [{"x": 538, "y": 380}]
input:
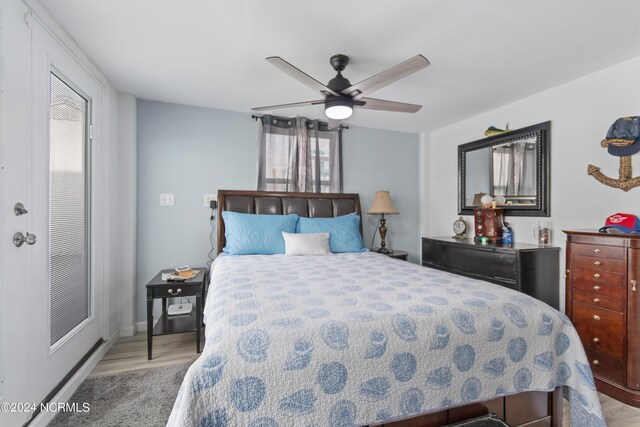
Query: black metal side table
[{"x": 158, "y": 288}]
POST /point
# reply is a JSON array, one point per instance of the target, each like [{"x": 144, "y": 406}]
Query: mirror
[{"x": 514, "y": 165}]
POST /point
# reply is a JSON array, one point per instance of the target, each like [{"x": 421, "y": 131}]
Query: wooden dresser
[
  {"x": 603, "y": 302},
  {"x": 531, "y": 269}
]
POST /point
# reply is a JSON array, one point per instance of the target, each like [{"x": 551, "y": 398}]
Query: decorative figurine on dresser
[
  {"x": 488, "y": 223},
  {"x": 603, "y": 302}
]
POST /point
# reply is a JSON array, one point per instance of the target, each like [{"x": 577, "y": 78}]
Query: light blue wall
[
  {"x": 190, "y": 151},
  {"x": 375, "y": 159}
]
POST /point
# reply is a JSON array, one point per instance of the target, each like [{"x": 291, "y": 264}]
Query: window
[
  {"x": 298, "y": 155},
  {"x": 69, "y": 208}
]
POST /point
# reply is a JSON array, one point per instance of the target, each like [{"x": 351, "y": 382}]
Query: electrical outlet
[
  {"x": 208, "y": 198},
  {"x": 166, "y": 199}
]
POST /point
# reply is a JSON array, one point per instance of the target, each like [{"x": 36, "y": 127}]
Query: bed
[{"x": 363, "y": 339}]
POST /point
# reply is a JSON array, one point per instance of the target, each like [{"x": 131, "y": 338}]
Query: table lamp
[{"x": 382, "y": 206}]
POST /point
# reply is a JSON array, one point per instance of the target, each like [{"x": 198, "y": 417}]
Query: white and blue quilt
[{"x": 359, "y": 339}]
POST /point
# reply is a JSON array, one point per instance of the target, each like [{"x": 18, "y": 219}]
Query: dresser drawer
[
  {"x": 599, "y": 251},
  {"x": 615, "y": 265},
  {"x": 606, "y": 366},
  {"x": 596, "y": 300},
  {"x": 599, "y": 318},
  {"x": 599, "y": 288},
  {"x": 497, "y": 266},
  {"x": 598, "y": 276},
  {"x": 604, "y": 342}
]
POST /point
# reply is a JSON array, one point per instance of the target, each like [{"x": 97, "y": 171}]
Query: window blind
[{"x": 68, "y": 204}]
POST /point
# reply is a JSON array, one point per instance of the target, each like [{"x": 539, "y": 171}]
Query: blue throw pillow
[
  {"x": 255, "y": 234},
  {"x": 344, "y": 232}
]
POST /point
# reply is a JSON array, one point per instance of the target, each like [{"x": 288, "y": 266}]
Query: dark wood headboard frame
[{"x": 223, "y": 194}]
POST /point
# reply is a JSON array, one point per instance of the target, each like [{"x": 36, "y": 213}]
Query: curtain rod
[{"x": 254, "y": 117}]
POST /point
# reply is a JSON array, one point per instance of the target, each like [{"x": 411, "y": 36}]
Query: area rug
[{"x": 138, "y": 398}]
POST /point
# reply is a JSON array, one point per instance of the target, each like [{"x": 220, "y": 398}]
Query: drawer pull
[
  {"x": 596, "y": 317},
  {"x": 596, "y": 340},
  {"x": 634, "y": 283},
  {"x": 567, "y": 272},
  {"x": 596, "y": 263},
  {"x": 596, "y": 276},
  {"x": 596, "y": 251},
  {"x": 596, "y": 288},
  {"x": 176, "y": 292},
  {"x": 596, "y": 300},
  {"x": 596, "y": 362}
]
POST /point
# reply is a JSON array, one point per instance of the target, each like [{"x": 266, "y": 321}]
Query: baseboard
[
  {"x": 129, "y": 331},
  {"x": 142, "y": 326},
  {"x": 72, "y": 385}
]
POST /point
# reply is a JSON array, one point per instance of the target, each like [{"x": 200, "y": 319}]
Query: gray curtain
[{"x": 298, "y": 155}]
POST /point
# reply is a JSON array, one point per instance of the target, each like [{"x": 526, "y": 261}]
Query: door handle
[
  {"x": 20, "y": 239},
  {"x": 19, "y": 209}
]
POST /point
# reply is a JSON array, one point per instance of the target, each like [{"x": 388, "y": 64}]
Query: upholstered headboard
[{"x": 312, "y": 205}]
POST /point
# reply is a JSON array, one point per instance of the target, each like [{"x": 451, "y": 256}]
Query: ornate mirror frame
[{"x": 542, "y": 134}]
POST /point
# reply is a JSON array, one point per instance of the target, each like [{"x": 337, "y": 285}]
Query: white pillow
[{"x": 306, "y": 243}]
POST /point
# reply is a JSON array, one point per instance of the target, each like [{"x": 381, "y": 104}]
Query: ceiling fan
[{"x": 340, "y": 96}]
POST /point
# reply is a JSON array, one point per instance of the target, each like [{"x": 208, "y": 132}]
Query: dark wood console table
[{"x": 532, "y": 269}]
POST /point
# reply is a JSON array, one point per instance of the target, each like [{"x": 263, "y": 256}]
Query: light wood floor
[{"x": 130, "y": 354}]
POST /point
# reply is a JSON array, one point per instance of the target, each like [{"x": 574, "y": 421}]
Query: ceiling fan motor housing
[
  {"x": 339, "y": 62},
  {"x": 338, "y": 83}
]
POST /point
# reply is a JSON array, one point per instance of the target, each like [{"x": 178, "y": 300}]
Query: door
[{"x": 51, "y": 281}]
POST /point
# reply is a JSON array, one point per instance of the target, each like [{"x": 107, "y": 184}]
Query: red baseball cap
[{"x": 626, "y": 223}]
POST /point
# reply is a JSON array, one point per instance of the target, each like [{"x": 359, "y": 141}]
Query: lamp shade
[{"x": 382, "y": 204}]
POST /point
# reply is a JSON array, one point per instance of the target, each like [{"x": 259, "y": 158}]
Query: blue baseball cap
[{"x": 623, "y": 137}]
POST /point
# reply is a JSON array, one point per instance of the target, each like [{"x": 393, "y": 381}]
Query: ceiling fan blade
[
  {"x": 384, "y": 105},
  {"x": 301, "y": 76},
  {"x": 386, "y": 77},
  {"x": 293, "y": 104}
]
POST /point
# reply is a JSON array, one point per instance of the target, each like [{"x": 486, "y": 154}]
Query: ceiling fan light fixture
[{"x": 338, "y": 109}]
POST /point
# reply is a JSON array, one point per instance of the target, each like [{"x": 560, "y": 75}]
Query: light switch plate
[
  {"x": 208, "y": 198},
  {"x": 166, "y": 199}
]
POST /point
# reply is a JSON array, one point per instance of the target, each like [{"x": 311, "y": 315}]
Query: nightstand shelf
[{"x": 175, "y": 324}]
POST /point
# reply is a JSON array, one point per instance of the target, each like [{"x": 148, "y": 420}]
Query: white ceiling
[{"x": 483, "y": 54}]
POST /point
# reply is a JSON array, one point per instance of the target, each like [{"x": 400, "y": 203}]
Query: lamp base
[{"x": 383, "y": 251}]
